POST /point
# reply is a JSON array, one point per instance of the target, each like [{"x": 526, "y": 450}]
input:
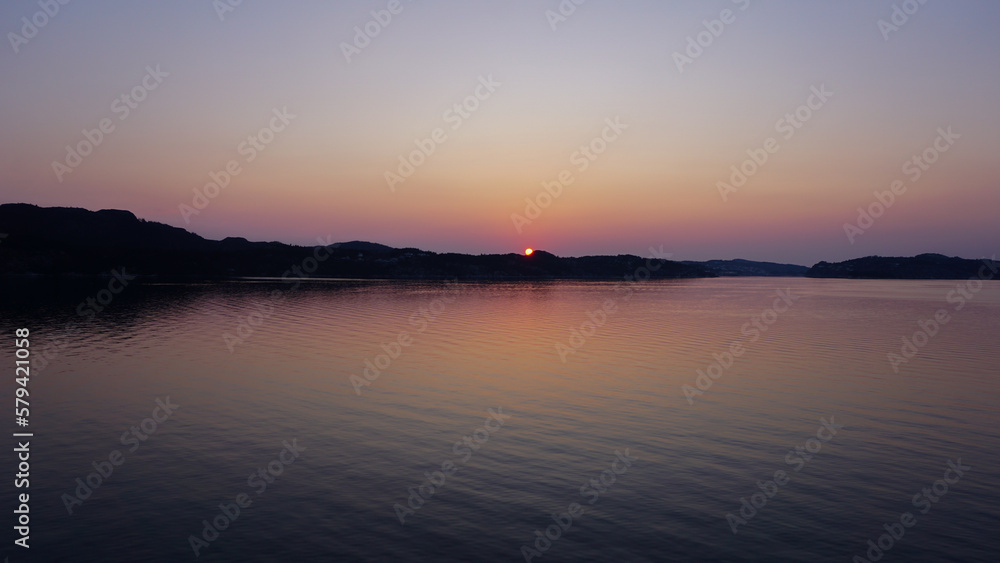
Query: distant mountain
[
  {"x": 67, "y": 240},
  {"x": 364, "y": 246},
  {"x": 62, "y": 240},
  {"x": 740, "y": 267},
  {"x": 923, "y": 266},
  {"x": 104, "y": 228}
]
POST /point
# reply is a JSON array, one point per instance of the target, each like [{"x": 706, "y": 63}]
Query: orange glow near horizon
[
  {"x": 575, "y": 148},
  {"x": 528, "y": 251}
]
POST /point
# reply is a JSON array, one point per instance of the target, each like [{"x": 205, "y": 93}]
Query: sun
[{"x": 528, "y": 252}]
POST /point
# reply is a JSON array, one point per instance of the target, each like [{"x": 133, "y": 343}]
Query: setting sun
[{"x": 528, "y": 251}]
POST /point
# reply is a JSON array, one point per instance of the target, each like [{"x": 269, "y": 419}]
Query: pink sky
[{"x": 532, "y": 96}]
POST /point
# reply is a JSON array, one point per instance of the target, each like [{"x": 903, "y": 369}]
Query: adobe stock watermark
[
  {"x": 122, "y": 107},
  {"x": 463, "y": 449},
  {"x": 566, "y": 8},
  {"x": 696, "y": 44},
  {"x": 93, "y": 305},
  {"x": 899, "y": 16},
  {"x": 913, "y": 168},
  {"x": 30, "y": 26},
  {"x": 259, "y": 479},
  {"x": 41, "y": 358},
  {"x": 224, "y": 7},
  {"x": 582, "y": 159},
  {"x": 88, "y": 309},
  {"x": 132, "y": 437},
  {"x": 928, "y": 328},
  {"x": 591, "y": 490},
  {"x": 246, "y": 326},
  {"x": 421, "y": 319},
  {"x": 599, "y": 315},
  {"x": 787, "y": 126},
  {"x": 364, "y": 34},
  {"x": 249, "y": 148},
  {"x": 751, "y": 329},
  {"x": 796, "y": 458},
  {"x": 922, "y": 500},
  {"x": 455, "y": 116}
]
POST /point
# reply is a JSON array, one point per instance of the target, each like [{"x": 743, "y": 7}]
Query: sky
[{"x": 438, "y": 124}]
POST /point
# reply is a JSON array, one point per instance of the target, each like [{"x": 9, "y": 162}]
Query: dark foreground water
[{"x": 802, "y": 446}]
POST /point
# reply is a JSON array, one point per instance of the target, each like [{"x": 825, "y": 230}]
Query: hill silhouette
[
  {"x": 922, "y": 266},
  {"x": 740, "y": 267},
  {"x": 64, "y": 240},
  {"x": 73, "y": 241}
]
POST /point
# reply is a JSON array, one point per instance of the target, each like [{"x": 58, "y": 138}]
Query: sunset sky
[{"x": 219, "y": 77}]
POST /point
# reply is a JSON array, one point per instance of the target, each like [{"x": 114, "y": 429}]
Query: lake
[{"x": 730, "y": 419}]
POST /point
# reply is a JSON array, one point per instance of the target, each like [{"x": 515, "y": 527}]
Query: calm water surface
[{"x": 285, "y": 378}]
